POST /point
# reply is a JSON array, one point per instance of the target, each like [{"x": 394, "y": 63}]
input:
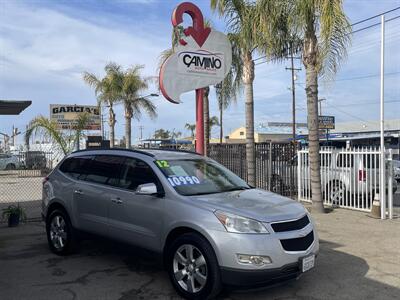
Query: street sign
[
  {"x": 326, "y": 122},
  {"x": 66, "y": 116}
]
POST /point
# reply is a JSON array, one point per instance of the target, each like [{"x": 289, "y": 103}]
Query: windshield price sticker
[
  {"x": 162, "y": 163},
  {"x": 183, "y": 180}
]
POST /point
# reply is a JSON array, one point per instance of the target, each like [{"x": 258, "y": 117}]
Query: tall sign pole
[
  {"x": 202, "y": 58},
  {"x": 382, "y": 188},
  {"x": 199, "y": 121}
]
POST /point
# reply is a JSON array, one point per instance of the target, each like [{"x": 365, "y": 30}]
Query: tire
[
  {"x": 206, "y": 278},
  {"x": 337, "y": 192},
  {"x": 61, "y": 236},
  {"x": 10, "y": 167}
]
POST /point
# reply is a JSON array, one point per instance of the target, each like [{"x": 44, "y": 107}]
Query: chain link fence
[{"x": 21, "y": 176}]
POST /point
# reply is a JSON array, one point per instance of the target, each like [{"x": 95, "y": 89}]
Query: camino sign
[
  {"x": 202, "y": 58},
  {"x": 326, "y": 122},
  {"x": 66, "y": 116}
]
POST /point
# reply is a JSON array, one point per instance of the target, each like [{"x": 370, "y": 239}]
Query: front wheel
[
  {"x": 61, "y": 236},
  {"x": 193, "y": 267}
]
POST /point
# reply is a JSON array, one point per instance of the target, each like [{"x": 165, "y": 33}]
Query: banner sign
[
  {"x": 66, "y": 116},
  {"x": 326, "y": 122}
]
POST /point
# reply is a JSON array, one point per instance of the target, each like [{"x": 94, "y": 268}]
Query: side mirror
[{"x": 147, "y": 189}]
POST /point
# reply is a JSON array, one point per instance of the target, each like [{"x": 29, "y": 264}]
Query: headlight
[{"x": 237, "y": 224}]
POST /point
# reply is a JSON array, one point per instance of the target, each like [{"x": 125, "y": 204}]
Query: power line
[
  {"x": 373, "y": 17},
  {"x": 373, "y": 25},
  {"x": 352, "y": 32},
  {"x": 360, "y": 77}
]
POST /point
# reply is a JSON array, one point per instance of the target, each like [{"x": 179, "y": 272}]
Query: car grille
[
  {"x": 292, "y": 225},
  {"x": 298, "y": 244}
]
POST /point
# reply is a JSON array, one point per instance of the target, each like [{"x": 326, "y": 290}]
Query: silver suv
[{"x": 211, "y": 227}]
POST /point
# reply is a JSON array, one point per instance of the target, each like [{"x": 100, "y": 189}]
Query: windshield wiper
[{"x": 237, "y": 188}]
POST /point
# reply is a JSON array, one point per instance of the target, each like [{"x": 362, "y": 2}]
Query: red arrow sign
[{"x": 198, "y": 32}]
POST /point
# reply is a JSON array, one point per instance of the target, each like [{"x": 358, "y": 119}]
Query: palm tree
[
  {"x": 212, "y": 123},
  {"x": 242, "y": 22},
  {"x": 107, "y": 90},
  {"x": 325, "y": 31},
  {"x": 63, "y": 140},
  {"x": 132, "y": 85},
  {"x": 191, "y": 128},
  {"x": 162, "y": 134}
]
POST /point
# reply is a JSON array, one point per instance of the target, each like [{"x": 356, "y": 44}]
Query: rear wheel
[
  {"x": 193, "y": 267},
  {"x": 61, "y": 236}
]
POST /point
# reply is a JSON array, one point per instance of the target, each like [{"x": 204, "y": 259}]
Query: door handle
[
  {"x": 79, "y": 192},
  {"x": 116, "y": 200}
]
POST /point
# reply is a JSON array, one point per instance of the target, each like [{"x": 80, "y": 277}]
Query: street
[{"x": 359, "y": 259}]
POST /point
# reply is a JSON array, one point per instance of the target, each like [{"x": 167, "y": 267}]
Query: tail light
[{"x": 362, "y": 175}]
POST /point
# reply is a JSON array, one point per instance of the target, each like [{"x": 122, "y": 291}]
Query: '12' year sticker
[{"x": 183, "y": 180}]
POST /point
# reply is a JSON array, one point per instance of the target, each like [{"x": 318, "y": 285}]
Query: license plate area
[{"x": 307, "y": 263}]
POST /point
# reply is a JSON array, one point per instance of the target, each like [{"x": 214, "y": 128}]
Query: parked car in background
[
  {"x": 396, "y": 170},
  {"x": 35, "y": 160},
  {"x": 347, "y": 177},
  {"x": 9, "y": 162},
  {"x": 210, "y": 227}
]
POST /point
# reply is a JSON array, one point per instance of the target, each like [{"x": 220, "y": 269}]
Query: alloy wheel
[
  {"x": 58, "y": 233},
  {"x": 190, "y": 268}
]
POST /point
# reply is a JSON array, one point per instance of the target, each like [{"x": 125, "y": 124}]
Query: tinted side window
[
  {"x": 105, "y": 169},
  {"x": 136, "y": 172},
  {"x": 76, "y": 167}
]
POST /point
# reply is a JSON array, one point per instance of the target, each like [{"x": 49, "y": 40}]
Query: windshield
[{"x": 199, "y": 176}]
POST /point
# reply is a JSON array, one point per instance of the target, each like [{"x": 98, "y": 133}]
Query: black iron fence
[
  {"x": 21, "y": 176},
  {"x": 276, "y": 164}
]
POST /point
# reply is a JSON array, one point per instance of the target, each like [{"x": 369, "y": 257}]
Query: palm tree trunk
[
  {"x": 221, "y": 130},
  {"x": 310, "y": 59},
  {"x": 248, "y": 78},
  {"x": 206, "y": 120},
  {"x": 128, "y": 133},
  {"x": 128, "y": 127},
  {"x": 111, "y": 122}
]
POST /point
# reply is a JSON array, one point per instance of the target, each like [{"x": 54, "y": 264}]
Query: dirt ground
[{"x": 359, "y": 259}]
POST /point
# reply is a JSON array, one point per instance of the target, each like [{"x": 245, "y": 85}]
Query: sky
[{"x": 46, "y": 45}]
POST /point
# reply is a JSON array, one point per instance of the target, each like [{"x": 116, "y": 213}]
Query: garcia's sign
[
  {"x": 202, "y": 58},
  {"x": 66, "y": 116},
  {"x": 326, "y": 122}
]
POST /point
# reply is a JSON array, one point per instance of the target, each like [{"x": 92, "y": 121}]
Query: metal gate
[
  {"x": 276, "y": 164},
  {"x": 349, "y": 177}
]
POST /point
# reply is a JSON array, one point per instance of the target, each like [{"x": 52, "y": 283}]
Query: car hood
[{"x": 253, "y": 203}]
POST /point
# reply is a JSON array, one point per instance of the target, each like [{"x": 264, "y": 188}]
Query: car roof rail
[
  {"x": 115, "y": 149},
  {"x": 144, "y": 152}
]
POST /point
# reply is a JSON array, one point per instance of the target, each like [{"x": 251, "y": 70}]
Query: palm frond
[{"x": 49, "y": 129}]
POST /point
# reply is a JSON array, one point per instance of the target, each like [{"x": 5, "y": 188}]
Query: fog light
[{"x": 257, "y": 260}]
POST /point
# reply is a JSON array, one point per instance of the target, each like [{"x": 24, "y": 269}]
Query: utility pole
[
  {"x": 141, "y": 127},
  {"x": 382, "y": 174},
  {"x": 293, "y": 69},
  {"x": 320, "y": 106}
]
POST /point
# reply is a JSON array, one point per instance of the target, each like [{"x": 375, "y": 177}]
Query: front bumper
[
  {"x": 239, "y": 278},
  {"x": 228, "y": 245}
]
